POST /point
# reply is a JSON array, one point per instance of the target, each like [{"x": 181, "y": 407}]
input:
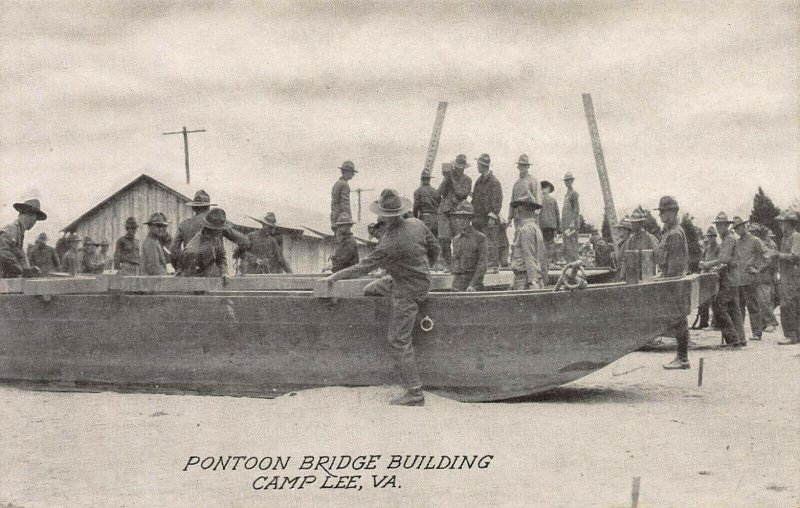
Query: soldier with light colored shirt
[
  {"x": 528, "y": 252},
  {"x": 570, "y": 220}
]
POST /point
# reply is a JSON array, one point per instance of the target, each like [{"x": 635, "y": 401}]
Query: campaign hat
[
  {"x": 638, "y": 215},
  {"x": 130, "y": 223},
  {"x": 722, "y": 218},
  {"x": 624, "y": 223},
  {"x": 711, "y": 231},
  {"x": 461, "y": 162},
  {"x": 215, "y": 219},
  {"x": 390, "y": 204},
  {"x": 343, "y": 219},
  {"x": 31, "y": 206},
  {"x": 738, "y": 221},
  {"x": 568, "y": 176},
  {"x": 157, "y": 219},
  {"x": 464, "y": 208},
  {"x": 348, "y": 166},
  {"x": 546, "y": 184},
  {"x": 42, "y": 236},
  {"x": 484, "y": 159},
  {"x": 667, "y": 203},
  {"x": 201, "y": 199},
  {"x": 523, "y": 160}
]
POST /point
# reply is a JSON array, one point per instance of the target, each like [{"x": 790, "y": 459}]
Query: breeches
[{"x": 404, "y": 314}]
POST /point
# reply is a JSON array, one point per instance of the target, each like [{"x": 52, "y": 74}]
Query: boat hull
[{"x": 483, "y": 346}]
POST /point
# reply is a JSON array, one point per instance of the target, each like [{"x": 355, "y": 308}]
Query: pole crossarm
[{"x": 185, "y": 145}]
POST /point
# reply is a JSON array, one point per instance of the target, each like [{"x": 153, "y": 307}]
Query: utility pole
[
  {"x": 359, "y": 191},
  {"x": 185, "y": 145},
  {"x": 433, "y": 146},
  {"x": 605, "y": 185}
]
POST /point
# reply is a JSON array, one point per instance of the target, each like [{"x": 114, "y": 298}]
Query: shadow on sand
[{"x": 579, "y": 394}]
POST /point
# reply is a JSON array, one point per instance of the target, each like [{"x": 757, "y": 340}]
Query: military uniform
[
  {"x": 453, "y": 190},
  {"x": 750, "y": 259},
  {"x": 204, "y": 255},
  {"x": 426, "y": 206},
  {"x": 340, "y": 199},
  {"x": 345, "y": 253},
  {"x": 789, "y": 266},
  {"x": 12, "y": 257},
  {"x": 470, "y": 259},
  {"x": 72, "y": 262},
  {"x": 154, "y": 257},
  {"x": 127, "y": 255},
  {"x": 487, "y": 202},
  {"x": 44, "y": 257},
  {"x": 189, "y": 228},
  {"x": 529, "y": 256},
  {"x": 570, "y": 219},
  {"x": 549, "y": 221}
]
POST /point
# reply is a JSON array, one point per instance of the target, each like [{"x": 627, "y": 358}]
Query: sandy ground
[{"x": 735, "y": 441}]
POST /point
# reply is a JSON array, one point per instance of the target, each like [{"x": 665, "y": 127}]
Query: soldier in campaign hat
[
  {"x": 340, "y": 194},
  {"x": 155, "y": 255},
  {"x": 639, "y": 239},
  {"x": 345, "y": 248},
  {"x": 673, "y": 261},
  {"x": 487, "y": 201},
  {"x": 406, "y": 251},
  {"x": 91, "y": 260},
  {"x": 204, "y": 255},
  {"x": 455, "y": 188},
  {"x": 13, "y": 262},
  {"x": 750, "y": 259},
  {"x": 710, "y": 252},
  {"x": 570, "y": 220},
  {"x": 788, "y": 257},
  {"x": 189, "y": 228},
  {"x": 71, "y": 261},
  {"x": 470, "y": 250},
  {"x": 127, "y": 253},
  {"x": 549, "y": 219},
  {"x": 528, "y": 253},
  {"x": 525, "y": 188},
  {"x": 426, "y": 207},
  {"x": 265, "y": 252},
  {"x": 43, "y": 256}
]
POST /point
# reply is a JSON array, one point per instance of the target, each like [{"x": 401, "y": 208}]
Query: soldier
[
  {"x": 104, "y": 254},
  {"x": 549, "y": 220},
  {"x": 346, "y": 250},
  {"x": 526, "y": 188},
  {"x": 426, "y": 206},
  {"x": 62, "y": 244},
  {"x": 455, "y": 188},
  {"x": 204, "y": 255},
  {"x": 767, "y": 277},
  {"x": 726, "y": 304},
  {"x": 406, "y": 251},
  {"x": 710, "y": 252},
  {"x": 13, "y": 262},
  {"x": 154, "y": 255},
  {"x": 487, "y": 201},
  {"x": 789, "y": 264},
  {"x": 602, "y": 250},
  {"x": 570, "y": 220},
  {"x": 340, "y": 194},
  {"x": 127, "y": 256},
  {"x": 191, "y": 227},
  {"x": 91, "y": 260},
  {"x": 470, "y": 251},
  {"x": 528, "y": 253},
  {"x": 43, "y": 256},
  {"x": 673, "y": 261},
  {"x": 265, "y": 254},
  {"x": 639, "y": 239},
  {"x": 72, "y": 261},
  {"x": 623, "y": 228},
  {"x": 750, "y": 259}
]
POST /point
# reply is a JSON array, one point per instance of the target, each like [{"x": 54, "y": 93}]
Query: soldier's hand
[{"x": 470, "y": 289}]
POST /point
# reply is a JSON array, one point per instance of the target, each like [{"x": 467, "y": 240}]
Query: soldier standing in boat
[
  {"x": 789, "y": 265},
  {"x": 43, "y": 256},
  {"x": 13, "y": 262},
  {"x": 526, "y": 188},
  {"x": 346, "y": 250},
  {"x": 470, "y": 251},
  {"x": 204, "y": 255},
  {"x": 71, "y": 262},
  {"x": 750, "y": 259},
  {"x": 154, "y": 255},
  {"x": 189, "y": 228},
  {"x": 340, "y": 194},
  {"x": 406, "y": 251},
  {"x": 639, "y": 239},
  {"x": 264, "y": 254},
  {"x": 455, "y": 188},
  {"x": 549, "y": 220},
  {"x": 91, "y": 260},
  {"x": 487, "y": 201},
  {"x": 426, "y": 206},
  {"x": 570, "y": 220},
  {"x": 127, "y": 255},
  {"x": 623, "y": 228},
  {"x": 673, "y": 261},
  {"x": 528, "y": 252}
]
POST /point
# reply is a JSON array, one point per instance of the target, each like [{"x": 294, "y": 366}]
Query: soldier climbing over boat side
[
  {"x": 340, "y": 194},
  {"x": 673, "y": 261},
  {"x": 127, "y": 255},
  {"x": 13, "y": 262},
  {"x": 189, "y": 228},
  {"x": 455, "y": 188},
  {"x": 264, "y": 253},
  {"x": 406, "y": 251},
  {"x": 470, "y": 251},
  {"x": 346, "y": 250},
  {"x": 204, "y": 255}
]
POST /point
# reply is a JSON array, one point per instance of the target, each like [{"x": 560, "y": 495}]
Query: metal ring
[{"x": 426, "y": 324}]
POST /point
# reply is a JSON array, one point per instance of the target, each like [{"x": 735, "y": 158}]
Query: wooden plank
[
  {"x": 439, "y": 282},
  {"x": 8, "y": 286},
  {"x": 70, "y": 285},
  {"x": 166, "y": 284}
]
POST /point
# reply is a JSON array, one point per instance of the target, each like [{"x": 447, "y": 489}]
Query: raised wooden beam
[
  {"x": 8, "y": 286},
  {"x": 72, "y": 285},
  {"x": 439, "y": 282}
]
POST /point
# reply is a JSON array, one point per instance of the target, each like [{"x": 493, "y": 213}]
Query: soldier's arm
[
  {"x": 237, "y": 237},
  {"x": 9, "y": 258},
  {"x": 497, "y": 198},
  {"x": 177, "y": 247}
]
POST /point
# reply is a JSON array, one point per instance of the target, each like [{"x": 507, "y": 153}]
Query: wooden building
[{"x": 306, "y": 236}]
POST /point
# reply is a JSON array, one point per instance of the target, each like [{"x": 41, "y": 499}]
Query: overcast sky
[{"x": 696, "y": 101}]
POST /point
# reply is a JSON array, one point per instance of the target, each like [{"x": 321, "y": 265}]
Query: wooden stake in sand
[
  {"x": 635, "y": 491},
  {"x": 700, "y": 374}
]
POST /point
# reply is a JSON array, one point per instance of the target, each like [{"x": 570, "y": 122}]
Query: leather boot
[
  {"x": 413, "y": 397},
  {"x": 677, "y": 363}
]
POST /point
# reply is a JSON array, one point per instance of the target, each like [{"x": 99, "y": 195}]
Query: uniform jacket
[
  {"x": 94, "y": 263},
  {"x": 406, "y": 252},
  {"x": 154, "y": 258},
  {"x": 528, "y": 252},
  {"x": 549, "y": 217},
  {"x": 127, "y": 251},
  {"x": 470, "y": 255},
  {"x": 790, "y": 268},
  {"x": 45, "y": 258},
  {"x": 12, "y": 257},
  {"x": 340, "y": 199},
  {"x": 203, "y": 257},
  {"x": 571, "y": 211},
  {"x": 72, "y": 262},
  {"x": 265, "y": 254},
  {"x": 673, "y": 252},
  {"x": 426, "y": 200},
  {"x": 346, "y": 252},
  {"x": 750, "y": 259},
  {"x": 453, "y": 190},
  {"x": 525, "y": 188},
  {"x": 487, "y": 196},
  {"x": 190, "y": 227}
]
